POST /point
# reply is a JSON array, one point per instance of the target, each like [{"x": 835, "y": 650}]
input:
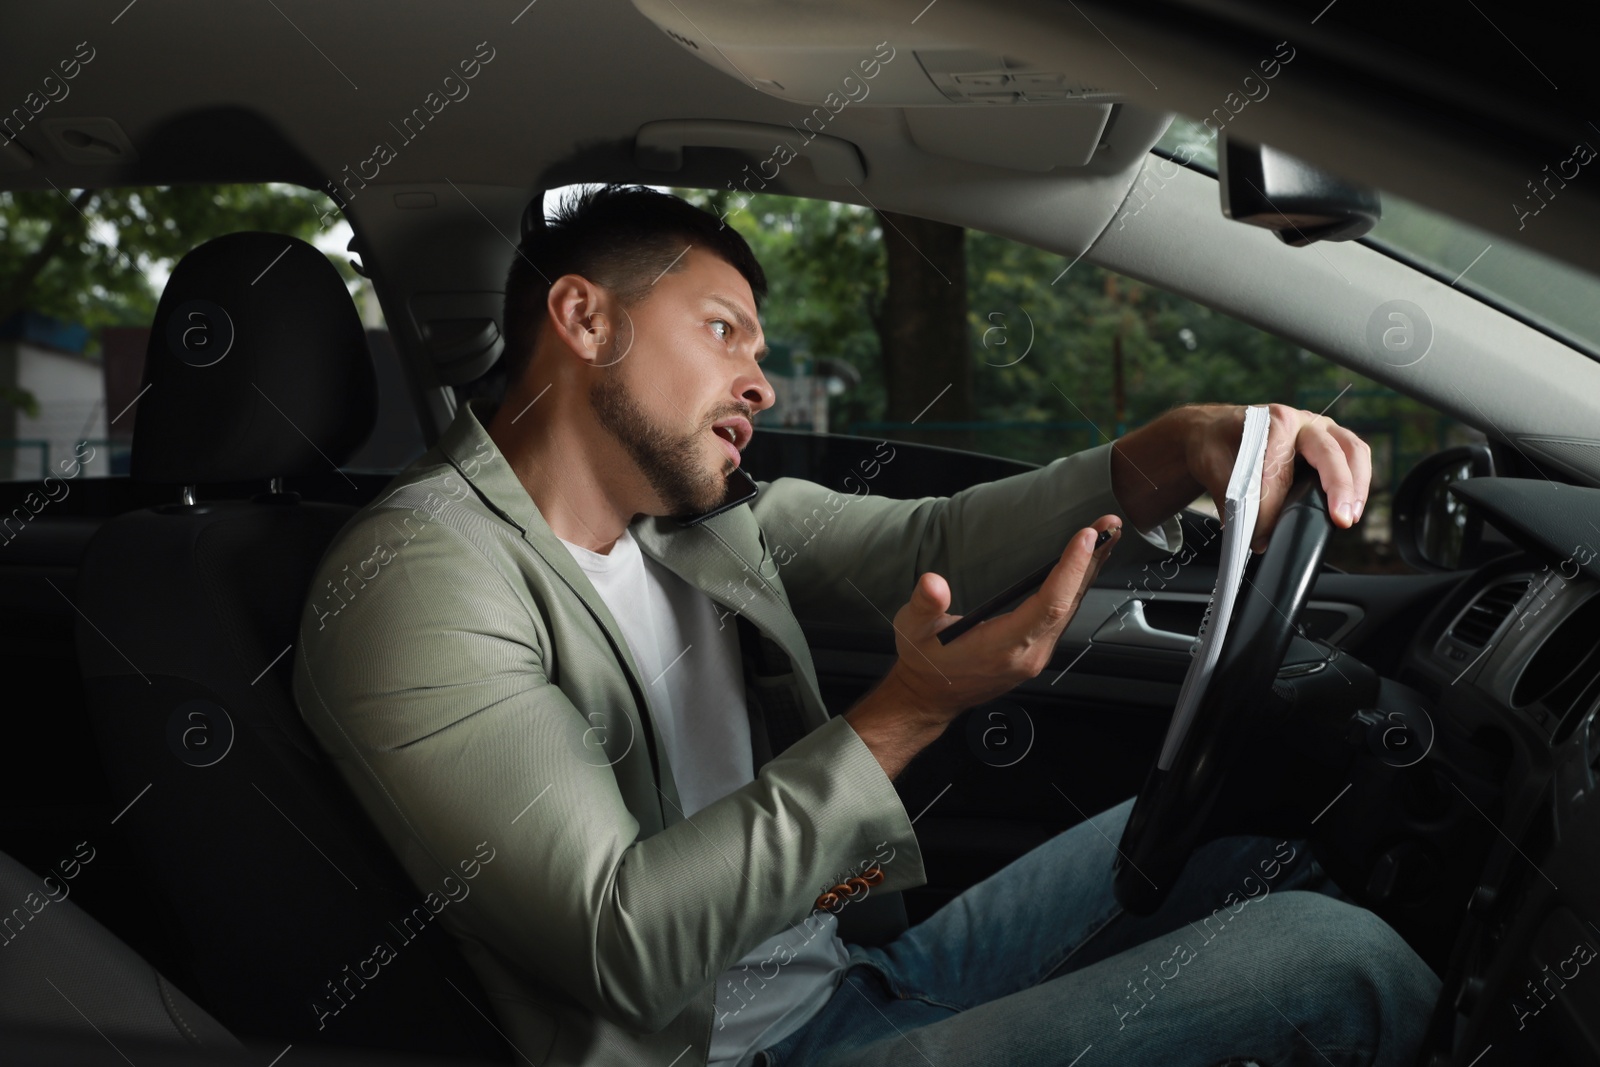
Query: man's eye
[{"x": 723, "y": 336}]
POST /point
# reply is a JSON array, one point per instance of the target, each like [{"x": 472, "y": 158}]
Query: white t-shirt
[{"x": 695, "y": 686}]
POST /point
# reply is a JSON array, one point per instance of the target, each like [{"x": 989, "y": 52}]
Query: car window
[
  {"x": 81, "y": 271},
  {"x": 1059, "y": 359}
]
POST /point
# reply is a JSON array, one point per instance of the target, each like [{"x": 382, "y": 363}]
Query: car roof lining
[{"x": 340, "y": 75}]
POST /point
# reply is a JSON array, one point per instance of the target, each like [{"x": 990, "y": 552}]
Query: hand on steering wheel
[{"x": 1171, "y": 815}]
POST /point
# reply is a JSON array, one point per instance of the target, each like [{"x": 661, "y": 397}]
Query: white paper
[{"x": 1239, "y": 511}]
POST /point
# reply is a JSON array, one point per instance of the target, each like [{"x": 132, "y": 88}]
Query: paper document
[{"x": 1239, "y": 526}]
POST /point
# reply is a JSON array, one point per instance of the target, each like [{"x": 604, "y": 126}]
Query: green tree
[{"x": 922, "y": 325}]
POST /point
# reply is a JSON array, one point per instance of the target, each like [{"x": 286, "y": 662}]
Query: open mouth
[
  {"x": 726, "y": 436},
  {"x": 733, "y": 434}
]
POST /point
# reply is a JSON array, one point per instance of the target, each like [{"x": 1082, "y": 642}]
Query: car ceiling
[{"x": 1443, "y": 109}]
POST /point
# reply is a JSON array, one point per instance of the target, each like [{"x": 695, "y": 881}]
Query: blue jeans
[{"x": 1252, "y": 958}]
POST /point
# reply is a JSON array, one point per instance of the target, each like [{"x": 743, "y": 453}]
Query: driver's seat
[{"x": 257, "y": 370}]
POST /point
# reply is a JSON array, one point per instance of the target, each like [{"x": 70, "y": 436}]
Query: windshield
[{"x": 1558, "y": 299}]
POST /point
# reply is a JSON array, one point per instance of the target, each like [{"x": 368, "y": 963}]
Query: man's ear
[{"x": 579, "y": 313}]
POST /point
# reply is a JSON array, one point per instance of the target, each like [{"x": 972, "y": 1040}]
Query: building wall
[{"x": 71, "y": 395}]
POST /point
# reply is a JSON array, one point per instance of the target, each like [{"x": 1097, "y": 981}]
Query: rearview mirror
[{"x": 1298, "y": 202}]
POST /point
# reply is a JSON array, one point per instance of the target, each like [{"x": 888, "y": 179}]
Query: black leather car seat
[{"x": 257, "y": 369}]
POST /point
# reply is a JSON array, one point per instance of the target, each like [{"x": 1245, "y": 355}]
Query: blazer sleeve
[
  {"x": 432, "y": 689},
  {"x": 854, "y": 556}
]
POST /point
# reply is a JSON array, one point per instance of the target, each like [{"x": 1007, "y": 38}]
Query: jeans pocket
[{"x": 894, "y": 989}]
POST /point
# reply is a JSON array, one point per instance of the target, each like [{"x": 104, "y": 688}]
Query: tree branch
[{"x": 16, "y": 295}]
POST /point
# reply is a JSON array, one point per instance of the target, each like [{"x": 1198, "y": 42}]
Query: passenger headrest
[{"x": 258, "y": 367}]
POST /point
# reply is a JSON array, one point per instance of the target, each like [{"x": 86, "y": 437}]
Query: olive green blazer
[{"x": 478, "y": 697}]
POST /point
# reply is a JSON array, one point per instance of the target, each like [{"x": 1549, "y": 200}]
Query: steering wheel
[{"x": 1170, "y": 816}]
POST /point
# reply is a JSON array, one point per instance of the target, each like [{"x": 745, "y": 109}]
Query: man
[{"x": 539, "y": 664}]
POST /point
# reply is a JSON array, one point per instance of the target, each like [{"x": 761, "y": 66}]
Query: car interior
[{"x": 185, "y": 879}]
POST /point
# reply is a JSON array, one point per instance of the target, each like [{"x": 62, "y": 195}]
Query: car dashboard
[{"x": 1510, "y": 666}]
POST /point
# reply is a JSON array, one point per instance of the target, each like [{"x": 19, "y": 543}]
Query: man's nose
[{"x": 758, "y": 392}]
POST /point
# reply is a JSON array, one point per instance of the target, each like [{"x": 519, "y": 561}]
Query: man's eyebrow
[{"x": 745, "y": 322}]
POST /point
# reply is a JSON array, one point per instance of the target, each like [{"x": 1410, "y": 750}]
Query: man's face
[{"x": 686, "y": 374}]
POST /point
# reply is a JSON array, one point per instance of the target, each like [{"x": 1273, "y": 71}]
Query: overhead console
[{"x": 1003, "y": 110}]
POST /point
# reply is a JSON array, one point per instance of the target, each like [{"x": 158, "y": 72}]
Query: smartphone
[
  {"x": 741, "y": 490},
  {"x": 995, "y": 604}
]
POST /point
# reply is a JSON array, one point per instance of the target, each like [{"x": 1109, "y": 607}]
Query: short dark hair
[{"x": 622, "y": 237}]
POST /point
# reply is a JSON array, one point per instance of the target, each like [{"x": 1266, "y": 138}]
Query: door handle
[{"x": 1128, "y": 626}]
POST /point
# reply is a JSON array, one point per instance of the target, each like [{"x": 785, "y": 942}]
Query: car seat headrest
[{"x": 257, "y": 367}]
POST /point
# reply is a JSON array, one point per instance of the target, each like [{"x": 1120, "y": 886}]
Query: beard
[{"x": 673, "y": 463}]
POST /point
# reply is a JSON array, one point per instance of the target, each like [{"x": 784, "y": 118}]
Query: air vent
[
  {"x": 1564, "y": 675},
  {"x": 1477, "y": 624}
]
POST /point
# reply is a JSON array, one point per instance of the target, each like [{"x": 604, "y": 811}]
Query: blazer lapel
[
  {"x": 473, "y": 452},
  {"x": 544, "y": 541},
  {"x": 724, "y": 558}
]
